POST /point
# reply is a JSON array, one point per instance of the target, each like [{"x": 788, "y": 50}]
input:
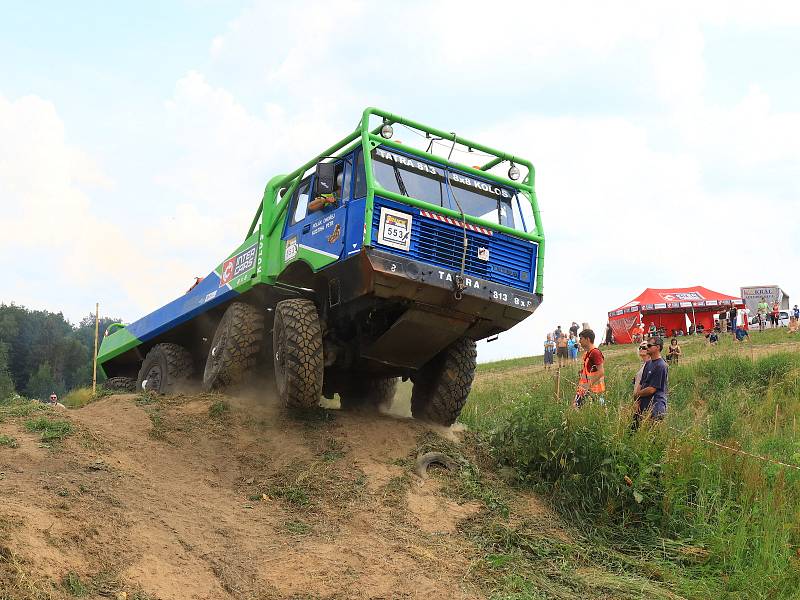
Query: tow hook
[{"x": 459, "y": 285}]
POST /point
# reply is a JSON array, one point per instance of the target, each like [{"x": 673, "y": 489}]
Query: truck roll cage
[{"x": 272, "y": 209}]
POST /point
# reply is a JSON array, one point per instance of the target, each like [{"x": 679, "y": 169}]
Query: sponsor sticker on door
[{"x": 394, "y": 229}]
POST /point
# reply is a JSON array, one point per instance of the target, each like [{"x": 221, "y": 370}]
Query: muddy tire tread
[
  {"x": 441, "y": 387},
  {"x": 373, "y": 392},
  {"x": 302, "y": 352},
  {"x": 243, "y": 327},
  {"x": 120, "y": 384},
  {"x": 180, "y": 366}
]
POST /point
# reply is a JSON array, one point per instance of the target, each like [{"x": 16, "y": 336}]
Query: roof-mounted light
[
  {"x": 513, "y": 172},
  {"x": 386, "y": 131}
]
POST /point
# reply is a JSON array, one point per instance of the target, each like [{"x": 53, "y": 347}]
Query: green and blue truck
[{"x": 371, "y": 262}]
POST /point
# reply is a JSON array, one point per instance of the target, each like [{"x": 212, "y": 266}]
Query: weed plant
[{"x": 717, "y": 522}]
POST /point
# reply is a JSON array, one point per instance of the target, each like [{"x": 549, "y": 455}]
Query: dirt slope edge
[{"x": 214, "y": 497}]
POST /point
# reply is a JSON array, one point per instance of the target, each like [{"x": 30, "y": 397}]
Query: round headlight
[
  {"x": 513, "y": 172},
  {"x": 387, "y": 131}
]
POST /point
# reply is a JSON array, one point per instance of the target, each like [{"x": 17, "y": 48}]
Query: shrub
[
  {"x": 661, "y": 482},
  {"x": 78, "y": 398},
  {"x": 52, "y": 430}
]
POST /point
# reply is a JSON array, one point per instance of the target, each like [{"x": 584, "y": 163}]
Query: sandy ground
[{"x": 167, "y": 500}]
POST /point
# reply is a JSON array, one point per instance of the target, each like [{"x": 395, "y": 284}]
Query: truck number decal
[
  {"x": 291, "y": 249},
  {"x": 395, "y": 229}
]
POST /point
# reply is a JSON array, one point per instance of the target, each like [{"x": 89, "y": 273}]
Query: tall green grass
[{"x": 723, "y": 523}]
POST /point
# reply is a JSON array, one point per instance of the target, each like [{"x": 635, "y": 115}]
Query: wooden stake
[
  {"x": 558, "y": 384},
  {"x": 775, "y": 426},
  {"x": 96, "y": 333}
]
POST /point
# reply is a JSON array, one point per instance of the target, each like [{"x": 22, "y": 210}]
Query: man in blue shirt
[{"x": 652, "y": 395}]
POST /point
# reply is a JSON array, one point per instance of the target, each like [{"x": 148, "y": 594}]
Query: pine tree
[
  {"x": 42, "y": 383},
  {"x": 6, "y": 383}
]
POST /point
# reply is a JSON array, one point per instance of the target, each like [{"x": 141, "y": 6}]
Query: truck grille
[{"x": 511, "y": 260}]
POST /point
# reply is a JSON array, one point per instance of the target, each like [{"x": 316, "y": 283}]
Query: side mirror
[{"x": 325, "y": 178}]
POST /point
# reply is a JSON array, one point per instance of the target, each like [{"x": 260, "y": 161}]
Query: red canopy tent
[{"x": 668, "y": 308}]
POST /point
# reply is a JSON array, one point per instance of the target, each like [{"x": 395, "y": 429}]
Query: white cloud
[{"x": 55, "y": 237}]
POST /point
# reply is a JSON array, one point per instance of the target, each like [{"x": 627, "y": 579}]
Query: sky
[{"x": 136, "y": 138}]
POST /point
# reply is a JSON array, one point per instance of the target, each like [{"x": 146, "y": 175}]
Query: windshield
[{"x": 417, "y": 179}]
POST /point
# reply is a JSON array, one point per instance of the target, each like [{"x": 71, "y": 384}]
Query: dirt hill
[{"x": 218, "y": 497}]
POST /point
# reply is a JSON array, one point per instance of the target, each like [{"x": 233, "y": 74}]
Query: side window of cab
[
  {"x": 360, "y": 179},
  {"x": 299, "y": 207}
]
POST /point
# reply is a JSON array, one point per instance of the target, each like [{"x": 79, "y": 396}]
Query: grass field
[{"x": 682, "y": 496}]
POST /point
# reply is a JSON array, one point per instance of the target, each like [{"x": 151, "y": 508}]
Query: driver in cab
[{"x": 323, "y": 201}]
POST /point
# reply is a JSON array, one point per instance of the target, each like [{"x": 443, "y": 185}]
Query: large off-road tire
[
  {"x": 235, "y": 346},
  {"x": 441, "y": 387},
  {"x": 165, "y": 369},
  {"x": 119, "y": 384},
  {"x": 297, "y": 351},
  {"x": 367, "y": 392}
]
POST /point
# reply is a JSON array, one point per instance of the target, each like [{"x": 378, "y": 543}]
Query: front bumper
[{"x": 490, "y": 307}]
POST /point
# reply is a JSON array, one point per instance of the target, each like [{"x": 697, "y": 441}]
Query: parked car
[{"x": 783, "y": 320}]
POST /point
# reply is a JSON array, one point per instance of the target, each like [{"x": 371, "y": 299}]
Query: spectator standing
[
  {"x": 796, "y": 312},
  {"x": 609, "y": 334},
  {"x": 593, "y": 375},
  {"x": 573, "y": 330},
  {"x": 549, "y": 351},
  {"x": 572, "y": 346},
  {"x": 762, "y": 310},
  {"x": 652, "y": 329},
  {"x": 561, "y": 349},
  {"x": 557, "y": 333},
  {"x": 723, "y": 322},
  {"x": 653, "y": 394},
  {"x": 636, "y": 333},
  {"x": 637, "y": 383},
  {"x": 776, "y": 314},
  {"x": 674, "y": 352},
  {"x": 732, "y": 318}
]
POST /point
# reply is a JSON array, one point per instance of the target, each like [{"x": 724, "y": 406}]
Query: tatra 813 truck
[{"x": 373, "y": 261}]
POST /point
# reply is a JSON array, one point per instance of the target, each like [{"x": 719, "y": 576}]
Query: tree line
[{"x": 42, "y": 352}]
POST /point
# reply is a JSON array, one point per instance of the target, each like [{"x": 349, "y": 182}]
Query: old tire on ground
[
  {"x": 441, "y": 386},
  {"x": 367, "y": 392},
  {"x": 119, "y": 384},
  {"x": 297, "y": 348},
  {"x": 165, "y": 369},
  {"x": 235, "y": 346}
]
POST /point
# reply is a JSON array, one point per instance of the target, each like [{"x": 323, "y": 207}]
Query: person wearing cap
[{"x": 653, "y": 390}]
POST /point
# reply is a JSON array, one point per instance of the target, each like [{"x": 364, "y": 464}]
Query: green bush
[
  {"x": 78, "y": 398},
  {"x": 664, "y": 481},
  {"x": 51, "y": 430}
]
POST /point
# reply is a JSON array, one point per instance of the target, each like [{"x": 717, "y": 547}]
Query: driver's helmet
[{"x": 339, "y": 185}]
